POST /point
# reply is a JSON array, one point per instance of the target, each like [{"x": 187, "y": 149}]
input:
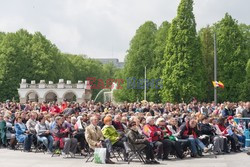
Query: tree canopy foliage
[
  {"x": 178, "y": 61},
  {"x": 33, "y": 57},
  {"x": 184, "y": 59}
]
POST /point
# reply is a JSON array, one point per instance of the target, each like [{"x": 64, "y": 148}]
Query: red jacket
[
  {"x": 55, "y": 110},
  {"x": 118, "y": 126},
  {"x": 222, "y": 129},
  {"x": 186, "y": 130},
  {"x": 44, "y": 108},
  {"x": 59, "y": 134},
  {"x": 151, "y": 132}
]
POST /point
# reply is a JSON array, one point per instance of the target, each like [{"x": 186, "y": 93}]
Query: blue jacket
[{"x": 20, "y": 132}]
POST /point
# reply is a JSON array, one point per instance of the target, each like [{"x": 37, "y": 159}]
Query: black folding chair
[
  {"x": 19, "y": 146},
  {"x": 40, "y": 147},
  {"x": 57, "y": 151},
  {"x": 116, "y": 152},
  {"x": 90, "y": 156},
  {"x": 134, "y": 153}
]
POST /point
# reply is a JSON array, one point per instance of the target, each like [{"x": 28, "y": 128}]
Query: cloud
[{"x": 104, "y": 28}]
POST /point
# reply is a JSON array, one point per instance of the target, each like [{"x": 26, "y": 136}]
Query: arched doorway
[
  {"x": 32, "y": 96},
  {"x": 50, "y": 97},
  {"x": 69, "y": 96}
]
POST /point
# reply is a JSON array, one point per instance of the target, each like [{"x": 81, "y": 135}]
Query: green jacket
[
  {"x": 109, "y": 132},
  {"x": 2, "y": 125}
]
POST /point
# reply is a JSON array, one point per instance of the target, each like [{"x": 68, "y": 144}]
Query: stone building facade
[{"x": 54, "y": 92}]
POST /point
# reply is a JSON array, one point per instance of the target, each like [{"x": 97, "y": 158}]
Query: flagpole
[{"x": 215, "y": 70}]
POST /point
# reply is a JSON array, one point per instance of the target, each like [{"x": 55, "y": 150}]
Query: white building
[{"x": 54, "y": 92}]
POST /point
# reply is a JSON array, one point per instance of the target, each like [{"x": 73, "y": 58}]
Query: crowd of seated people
[{"x": 159, "y": 130}]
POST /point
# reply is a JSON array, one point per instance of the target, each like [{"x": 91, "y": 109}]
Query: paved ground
[{"x": 9, "y": 158}]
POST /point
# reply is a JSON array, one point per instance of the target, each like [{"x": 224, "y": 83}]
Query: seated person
[
  {"x": 174, "y": 129},
  {"x": 207, "y": 129},
  {"x": 3, "y": 139},
  {"x": 109, "y": 132},
  {"x": 223, "y": 130},
  {"x": 155, "y": 136},
  {"x": 141, "y": 143},
  {"x": 238, "y": 132},
  {"x": 23, "y": 134},
  {"x": 189, "y": 131},
  {"x": 43, "y": 134},
  {"x": 62, "y": 136},
  {"x": 31, "y": 124},
  {"x": 95, "y": 139},
  {"x": 167, "y": 134},
  {"x": 10, "y": 133},
  {"x": 80, "y": 132},
  {"x": 118, "y": 125},
  {"x": 124, "y": 121}
]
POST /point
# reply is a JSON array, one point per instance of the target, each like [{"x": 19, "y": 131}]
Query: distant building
[
  {"x": 111, "y": 60},
  {"x": 50, "y": 92}
]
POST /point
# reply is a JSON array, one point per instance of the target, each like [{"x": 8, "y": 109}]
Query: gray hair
[
  {"x": 148, "y": 119},
  {"x": 58, "y": 118},
  {"x": 92, "y": 118}
]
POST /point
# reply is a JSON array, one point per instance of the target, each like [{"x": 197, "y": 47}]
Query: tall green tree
[
  {"x": 245, "y": 30},
  {"x": 207, "y": 48},
  {"x": 1, "y": 35},
  {"x": 14, "y": 62},
  {"x": 232, "y": 58},
  {"x": 46, "y": 59},
  {"x": 183, "y": 73},
  {"x": 140, "y": 54},
  {"x": 33, "y": 57},
  {"x": 156, "y": 71},
  {"x": 29, "y": 56},
  {"x": 246, "y": 89}
]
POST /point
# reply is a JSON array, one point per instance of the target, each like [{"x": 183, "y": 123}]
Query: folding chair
[
  {"x": 19, "y": 146},
  {"x": 40, "y": 147},
  {"x": 117, "y": 150},
  {"x": 133, "y": 152},
  {"x": 90, "y": 156},
  {"x": 57, "y": 150}
]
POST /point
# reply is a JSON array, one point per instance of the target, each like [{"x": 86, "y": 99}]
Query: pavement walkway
[{"x": 10, "y": 158}]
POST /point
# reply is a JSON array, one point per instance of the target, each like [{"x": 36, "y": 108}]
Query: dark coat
[
  {"x": 246, "y": 113},
  {"x": 207, "y": 129},
  {"x": 135, "y": 138},
  {"x": 186, "y": 130}
]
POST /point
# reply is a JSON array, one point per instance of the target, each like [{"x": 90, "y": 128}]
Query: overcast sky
[{"x": 103, "y": 28}]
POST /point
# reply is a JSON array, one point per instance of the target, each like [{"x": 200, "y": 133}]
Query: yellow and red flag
[{"x": 218, "y": 84}]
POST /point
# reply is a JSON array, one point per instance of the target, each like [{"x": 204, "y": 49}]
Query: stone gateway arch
[{"x": 54, "y": 92}]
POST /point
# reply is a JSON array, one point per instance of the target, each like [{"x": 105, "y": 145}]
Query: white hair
[
  {"x": 148, "y": 119},
  {"x": 159, "y": 120}
]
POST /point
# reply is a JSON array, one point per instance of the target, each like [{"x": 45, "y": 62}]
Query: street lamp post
[{"x": 215, "y": 70}]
